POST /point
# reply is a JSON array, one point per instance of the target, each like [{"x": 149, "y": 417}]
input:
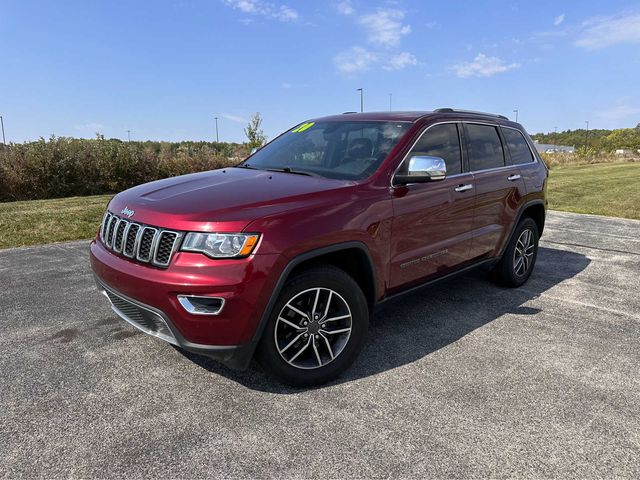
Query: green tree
[{"x": 254, "y": 133}]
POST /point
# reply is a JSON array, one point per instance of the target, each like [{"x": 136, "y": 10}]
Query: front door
[{"x": 431, "y": 233}]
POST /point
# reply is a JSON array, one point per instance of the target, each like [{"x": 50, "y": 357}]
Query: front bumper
[
  {"x": 154, "y": 322},
  {"x": 148, "y": 298}
]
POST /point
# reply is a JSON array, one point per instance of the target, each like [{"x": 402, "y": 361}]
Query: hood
[{"x": 221, "y": 200}]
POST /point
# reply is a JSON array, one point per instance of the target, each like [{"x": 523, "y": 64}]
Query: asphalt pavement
[{"x": 460, "y": 379}]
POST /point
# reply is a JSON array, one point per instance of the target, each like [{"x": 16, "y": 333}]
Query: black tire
[
  {"x": 509, "y": 271},
  {"x": 300, "y": 291}
]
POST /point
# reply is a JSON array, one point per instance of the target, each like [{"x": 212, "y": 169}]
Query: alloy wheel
[
  {"x": 523, "y": 253},
  {"x": 313, "y": 328}
]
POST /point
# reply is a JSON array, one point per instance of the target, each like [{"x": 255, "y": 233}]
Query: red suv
[{"x": 286, "y": 255}]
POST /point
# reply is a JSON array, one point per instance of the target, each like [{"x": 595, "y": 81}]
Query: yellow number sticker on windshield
[{"x": 303, "y": 127}]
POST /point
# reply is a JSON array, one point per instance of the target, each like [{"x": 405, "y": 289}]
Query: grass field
[
  {"x": 611, "y": 189},
  {"x": 35, "y": 222}
]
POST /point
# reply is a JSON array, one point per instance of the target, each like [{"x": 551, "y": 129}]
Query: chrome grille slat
[
  {"x": 131, "y": 242},
  {"x": 139, "y": 242},
  {"x": 110, "y": 227}
]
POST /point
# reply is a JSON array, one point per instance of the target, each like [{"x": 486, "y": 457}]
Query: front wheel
[
  {"x": 316, "y": 329},
  {"x": 516, "y": 264}
]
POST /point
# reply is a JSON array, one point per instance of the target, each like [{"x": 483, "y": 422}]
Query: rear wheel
[
  {"x": 519, "y": 258},
  {"x": 316, "y": 329}
]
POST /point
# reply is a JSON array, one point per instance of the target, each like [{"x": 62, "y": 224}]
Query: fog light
[{"x": 201, "y": 305}]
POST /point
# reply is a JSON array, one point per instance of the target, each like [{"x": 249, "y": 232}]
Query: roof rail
[
  {"x": 347, "y": 113},
  {"x": 455, "y": 110}
]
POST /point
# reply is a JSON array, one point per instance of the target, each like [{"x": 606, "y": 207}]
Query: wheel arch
[
  {"x": 534, "y": 209},
  {"x": 352, "y": 257}
]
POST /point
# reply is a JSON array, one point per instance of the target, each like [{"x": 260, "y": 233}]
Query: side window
[
  {"x": 518, "y": 146},
  {"x": 441, "y": 141},
  {"x": 485, "y": 147}
]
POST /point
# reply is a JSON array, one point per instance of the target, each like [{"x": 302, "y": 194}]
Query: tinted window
[
  {"x": 341, "y": 149},
  {"x": 485, "y": 147},
  {"x": 518, "y": 147},
  {"x": 440, "y": 141}
]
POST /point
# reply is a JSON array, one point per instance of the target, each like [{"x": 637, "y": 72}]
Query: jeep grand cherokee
[{"x": 286, "y": 254}]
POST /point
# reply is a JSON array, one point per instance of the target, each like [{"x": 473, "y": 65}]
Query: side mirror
[{"x": 422, "y": 169}]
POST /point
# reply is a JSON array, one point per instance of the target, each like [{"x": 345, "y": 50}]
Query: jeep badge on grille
[{"x": 127, "y": 212}]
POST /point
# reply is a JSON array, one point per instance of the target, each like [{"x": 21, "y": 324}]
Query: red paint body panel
[{"x": 411, "y": 233}]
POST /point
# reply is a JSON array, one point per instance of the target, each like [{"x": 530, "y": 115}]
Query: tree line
[{"x": 599, "y": 140}]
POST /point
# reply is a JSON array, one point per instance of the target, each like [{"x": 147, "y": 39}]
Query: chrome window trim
[
  {"x": 471, "y": 172},
  {"x": 526, "y": 140},
  {"x": 188, "y": 306},
  {"x": 404, "y": 159}
]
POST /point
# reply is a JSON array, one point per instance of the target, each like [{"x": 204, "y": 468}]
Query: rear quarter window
[{"x": 518, "y": 146}]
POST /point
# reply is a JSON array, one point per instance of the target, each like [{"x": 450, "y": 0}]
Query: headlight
[{"x": 220, "y": 245}]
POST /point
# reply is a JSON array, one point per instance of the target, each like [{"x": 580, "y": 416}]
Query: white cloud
[
  {"x": 265, "y": 9},
  {"x": 602, "y": 32},
  {"x": 400, "y": 61},
  {"x": 483, "y": 66},
  {"x": 345, "y": 8},
  {"x": 356, "y": 59},
  {"x": 287, "y": 85},
  {"x": 559, "y": 19},
  {"x": 384, "y": 27},
  {"x": 234, "y": 118}
]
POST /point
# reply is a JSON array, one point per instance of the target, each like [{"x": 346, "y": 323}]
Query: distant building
[
  {"x": 625, "y": 152},
  {"x": 551, "y": 148}
]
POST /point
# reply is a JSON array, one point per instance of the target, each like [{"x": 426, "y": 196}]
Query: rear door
[
  {"x": 498, "y": 185},
  {"x": 432, "y": 221}
]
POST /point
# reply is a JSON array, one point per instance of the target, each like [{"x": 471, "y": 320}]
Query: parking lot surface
[{"x": 460, "y": 379}]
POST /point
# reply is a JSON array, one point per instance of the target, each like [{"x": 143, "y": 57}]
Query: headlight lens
[{"x": 220, "y": 245}]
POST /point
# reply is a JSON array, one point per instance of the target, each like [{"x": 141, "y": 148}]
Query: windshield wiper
[
  {"x": 289, "y": 170},
  {"x": 246, "y": 165}
]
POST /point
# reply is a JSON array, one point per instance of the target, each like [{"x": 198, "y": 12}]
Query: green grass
[
  {"x": 611, "y": 189},
  {"x": 35, "y": 222}
]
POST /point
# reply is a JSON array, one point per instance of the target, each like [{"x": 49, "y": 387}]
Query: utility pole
[
  {"x": 516, "y": 112},
  {"x": 390, "y": 101},
  {"x": 129, "y": 135},
  {"x": 555, "y": 138},
  {"x": 217, "y": 137},
  {"x": 586, "y": 135},
  {"x": 361, "y": 99},
  {"x": 4, "y": 142}
]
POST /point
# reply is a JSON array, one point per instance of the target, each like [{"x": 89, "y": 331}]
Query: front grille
[
  {"x": 143, "y": 318},
  {"x": 140, "y": 242}
]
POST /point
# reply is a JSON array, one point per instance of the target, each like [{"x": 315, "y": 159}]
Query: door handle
[
  {"x": 464, "y": 188},
  {"x": 513, "y": 178}
]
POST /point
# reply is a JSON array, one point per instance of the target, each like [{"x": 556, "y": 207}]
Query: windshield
[{"x": 339, "y": 150}]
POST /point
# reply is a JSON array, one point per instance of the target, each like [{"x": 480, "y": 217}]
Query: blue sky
[{"x": 164, "y": 69}]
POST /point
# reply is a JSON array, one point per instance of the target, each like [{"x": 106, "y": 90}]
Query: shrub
[{"x": 63, "y": 167}]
